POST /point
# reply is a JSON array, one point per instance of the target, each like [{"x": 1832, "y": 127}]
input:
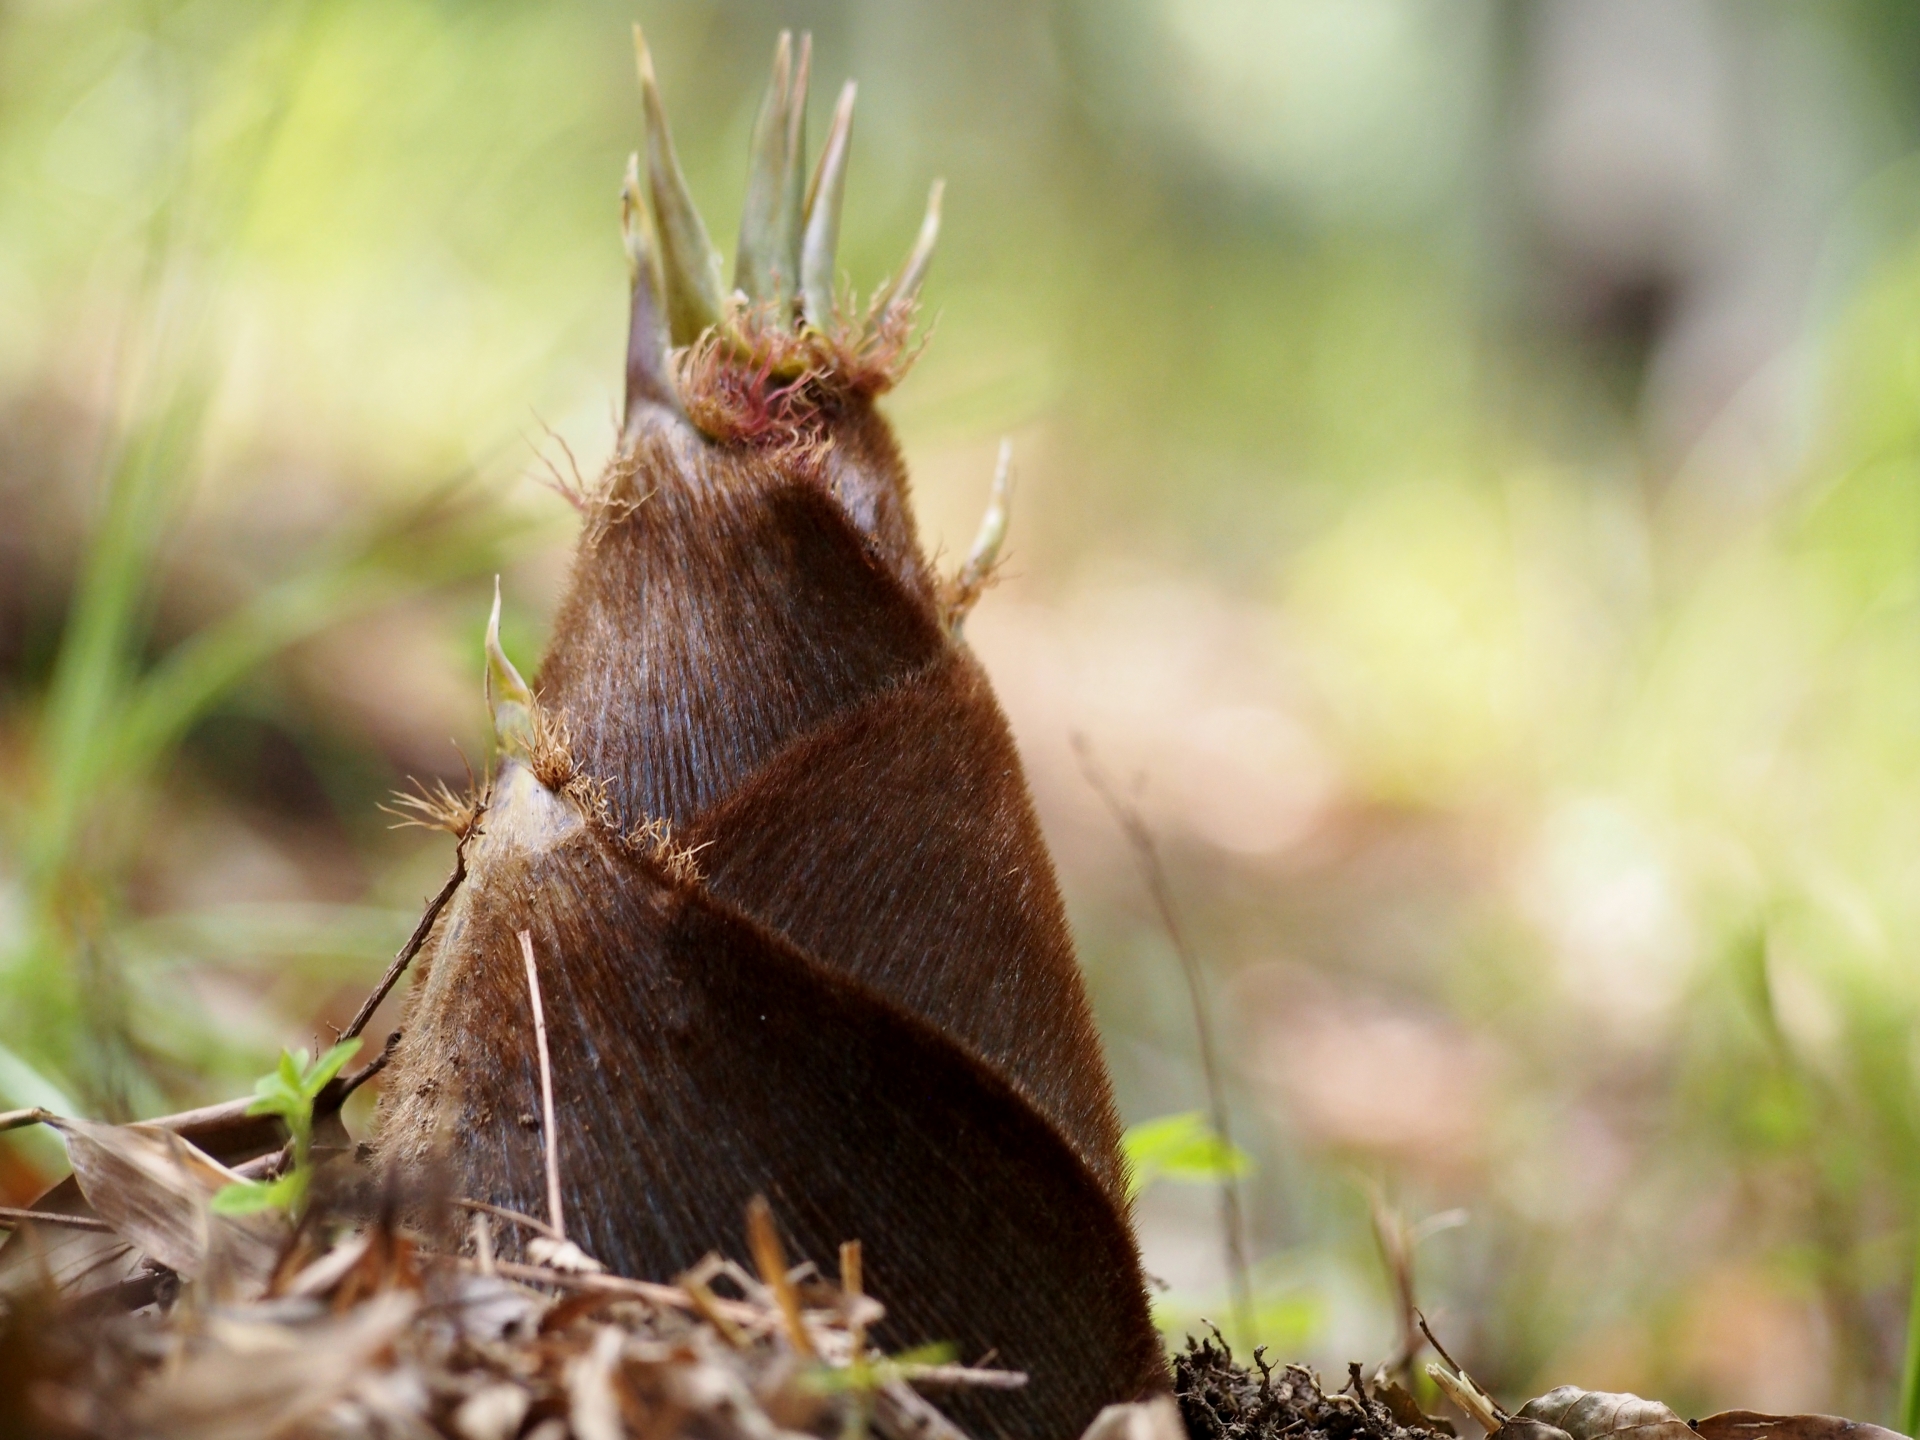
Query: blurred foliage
[
  {"x": 288, "y": 1092},
  {"x": 1179, "y": 1147},
  {"x": 1541, "y": 772}
]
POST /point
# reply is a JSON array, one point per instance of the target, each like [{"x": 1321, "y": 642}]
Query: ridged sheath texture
[{"x": 796, "y": 928}]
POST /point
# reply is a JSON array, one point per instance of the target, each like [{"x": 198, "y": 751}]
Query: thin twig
[
  {"x": 1396, "y": 1255},
  {"x": 672, "y": 1296},
  {"x": 707, "y": 1305},
  {"x": 20, "y": 1119},
  {"x": 514, "y": 1216},
  {"x": 366, "y": 1072},
  {"x": 412, "y": 947},
  {"x": 1907, "y": 1416},
  {"x": 1462, "y": 1388},
  {"x": 853, "y": 1286},
  {"x": 270, "y": 1166},
  {"x": 764, "y": 1240},
  {"x": 12, "y": 1217},
  {"x": 554, "y": 1215},
  {"x": 482, "y": 1234},
  {"x": 972, "y": 1376},
  {"x": 1147, "y": 854},
  {"x": 1438, "y": 1348}
]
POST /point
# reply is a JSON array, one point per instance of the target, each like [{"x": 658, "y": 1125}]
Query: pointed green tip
[
  {"x": 904, "y": 288},
  {"x": 508, "y": 696},
  {"x": 689, "y": 264},
  {"x": 793, "y": 187},
  {"x": 973, "y": 577},
  {"x": 993, "y": 525},
  {"x": 756, "y": 263},
  {"x": 634, "y": 221},
  {"x": 649, "y": 379},
  {"x": 785, "y": 270},
  {"x": 822, "y": 240}
]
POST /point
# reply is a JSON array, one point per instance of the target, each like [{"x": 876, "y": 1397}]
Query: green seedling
[
  {"x": 1180, "y": 1147},
  {"x": 289, "y": 1092},
  {"x": 867, "y": 1373}
]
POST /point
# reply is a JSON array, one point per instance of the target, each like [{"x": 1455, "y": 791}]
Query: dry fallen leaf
[
  {"x": 1751, "y": 1425},
  {"x": 153, "y": 1187},
  {"x": 73, "y": 1262},
  {"x": 1599, "y": 1415},
  {"x": 1405, "y": 1409},
  {"x": 237, "y": 1391},
  {"x": 562, "y": 1255},
  {"x": 1155, "y": 1419}
]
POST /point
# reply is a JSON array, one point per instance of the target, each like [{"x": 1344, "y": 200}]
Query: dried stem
[
  {"x": 709, "y": 1306},
  {"x": 852, "y": 1285},
  {"x": 12, "y": 1217},
  {"x": 350, "y": 1083},
  {"x": 649, "y": 1290},
  {"x": 412, "y": 947},
  {"x": 1460, "y": 1387},
  {"x": 1396, "y": 1254},
  {"x": 554, "y": 1215},
  {"x": 771, "y": 1260},
  {"x": 514, "y": 1216},
  {"x": 1147, "y": 854}
]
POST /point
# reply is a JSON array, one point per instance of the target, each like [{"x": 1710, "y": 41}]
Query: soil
[{"x": 1223, "y": 1400}]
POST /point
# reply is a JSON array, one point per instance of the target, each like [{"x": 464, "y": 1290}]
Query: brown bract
[{"x": 798, "y": 934}]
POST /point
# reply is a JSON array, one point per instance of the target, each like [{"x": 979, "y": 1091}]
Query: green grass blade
[
  {"x": 22, "y": 1087},
  {"x": 1907, "y": 1420},
  {"x": 193, "y": 677}
]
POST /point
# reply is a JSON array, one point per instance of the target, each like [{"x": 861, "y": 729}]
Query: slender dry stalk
[
  {"x": 412, "y": 947},
  {"x": 771, "y": 1259},
  {"x": 1146, "y": 854},
  {"x": 852, "y": 1282},
  {"x": 554, "y": 1215},
  {"x": 12, "y": 1216},
  {"x": 1396, "y": 1254}
]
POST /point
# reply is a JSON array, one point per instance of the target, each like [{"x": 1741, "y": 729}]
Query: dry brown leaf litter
[
  {"x": 376, "y": 1336},
  {"x": 152, "y": 1315},
  {"x": 1222, "y": 1400},
  {"x": 247, "y": 1328}
]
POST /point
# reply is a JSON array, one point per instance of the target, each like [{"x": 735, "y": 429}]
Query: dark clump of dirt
[{"x": 1222, "y": 1400}]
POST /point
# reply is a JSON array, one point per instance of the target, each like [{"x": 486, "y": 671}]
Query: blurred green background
[{"x": 1469, "y": 462}]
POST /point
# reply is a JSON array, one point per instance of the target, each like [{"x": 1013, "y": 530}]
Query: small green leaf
[
  {"x": 326, "y": 1067},
  {"x": 1179, "y": 1147},
  {"x": 250, "y": 1197},
  {"x": 274, "y": 1096}
]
